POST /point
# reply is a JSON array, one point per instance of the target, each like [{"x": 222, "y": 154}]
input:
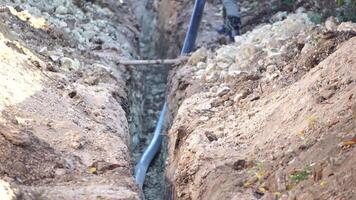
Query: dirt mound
[
  {"x": 266, "y": 117},
  {"x": 63, "y": 126}
]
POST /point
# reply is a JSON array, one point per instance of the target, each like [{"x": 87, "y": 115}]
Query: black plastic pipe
[
  {"x": 193, "y": 28},
  {"x": 153, "y": 147}
]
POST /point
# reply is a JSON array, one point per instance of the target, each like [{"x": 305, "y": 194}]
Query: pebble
[
  {"x": 198, "y": 56},
  {"x": 331, "y": 24},
  {"x": 204, "y": 118},
  {"x": 271, "y": 68},
  {"x": 211, "y": 136},
  {"x": 216, "y": 102},
  {"x": 255, "y": 97},
  {"x": 211, "y": 77},
  {"x": 69, "y": 64},
  {"x": 347, "y": 26},
  {"x": 228, "y": 103},
  {"x": 60, "y": 172},
  {"x": 222, "y": 91},
  {"x": 281, "y": 180},
  {"x": 326, "y": 94},
  {"x": 242, "y": 95},
  {"x": 201, "y": 65}
]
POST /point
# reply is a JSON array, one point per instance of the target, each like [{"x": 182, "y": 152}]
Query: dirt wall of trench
[
  {"x": 268, "y": 117},
  {"x": 64, "y": 106}
]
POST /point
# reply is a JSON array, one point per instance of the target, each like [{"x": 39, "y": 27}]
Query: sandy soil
[
  {"x": 271, "y": 116},
  {"x": 63, "y": 123},
  {"x": 267, "y": 117}
]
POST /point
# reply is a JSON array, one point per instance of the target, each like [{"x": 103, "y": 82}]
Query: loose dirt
[
  {"x": 64, "y": 131},
  {"x": 266, "y": 117}
]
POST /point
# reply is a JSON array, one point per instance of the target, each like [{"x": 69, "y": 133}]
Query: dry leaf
[
  {"x": 92, "y": 170},
  {"x": 322, "y": 184},
  {"x": 301, "y": 134},
  {"x": 348, "y": 143}
]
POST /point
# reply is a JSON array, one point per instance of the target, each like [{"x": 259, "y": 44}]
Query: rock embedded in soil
[
  {"x": 268, "y": 122},
  {"x": 20, "y": 138},
  {"x": 68, "y": 64},
  {"x": 198, "y": 56},
  {"x": 61, "y": 87}
]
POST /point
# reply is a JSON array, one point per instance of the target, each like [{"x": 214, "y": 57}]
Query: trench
[{"x": 146, "y": 94}]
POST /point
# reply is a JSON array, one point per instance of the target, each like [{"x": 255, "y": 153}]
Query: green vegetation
[
  {"x": 316, "y": 18},
  {"x": 300, "y": 176},
  {"x": 346, "y": 10}
]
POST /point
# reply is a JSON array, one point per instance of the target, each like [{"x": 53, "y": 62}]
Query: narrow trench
[{"x": 147, "y": 92}]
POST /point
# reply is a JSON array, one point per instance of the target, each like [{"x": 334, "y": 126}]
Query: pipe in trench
[{"x": 153, "y": 147}]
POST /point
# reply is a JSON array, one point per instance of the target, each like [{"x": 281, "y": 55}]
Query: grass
[
  {"x": 301, "y": 175},
  {"x": 347, "y": 10}
]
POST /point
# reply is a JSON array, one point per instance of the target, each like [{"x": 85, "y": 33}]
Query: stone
[
  {"x": 331, "y": 24},
  {"x": 307, "y": 48},
  {"x": 204, "y": 118},
  {"x": 211, "y": 67},
  {"x": 211, "y": 77},
  {"x": 326, "y": 94},
  {"x": 198, "y": 56},
  {"x": 242, "y": 95},
  {"x": 54, "y": 55},
  {"x": 68, "y": 64},
  {"x": 271, "y": 68},
  {"x": 201, "y": 65},
  {"x": 211, "y": 136},
  {"x": 283, "y": 197},
  {"x": 347, "y": 26},
  {"x": 222, "y": 91},
  {"x": 225, "y": 97},
  {"x": 216, "y": 102},
  {"x": 19, "y": 167},
  {"x": 239, "y": 164},
  {"x": 76, "y": 140},
  {"x": 281, "y": 181},
  {"x": 228, "y": 103},
  {"x": 76, "y": 145},
  {"x": 61, "y": 10},
  {"x": 279, "y": 16},
  {"x": 52, "y": 68},
  {"x": 60, "y": 172},
  {"x": 20, "y": 138},
  {"x": 227, "y": 54},
  {"x": 288, "y": 68}
]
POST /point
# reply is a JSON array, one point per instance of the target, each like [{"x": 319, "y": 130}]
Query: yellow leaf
[
  {"x": 260, "y": 175},
  {"x": 92, "y": 170},
  {"x": 290, "y": 186},
  {"x": 247, "y": 184},
  {"x": 345, "y": 143},
  {"x": 301, "y": 134},
  {"x": 262, "y": 189},
  {"x": 277, "y": 194},
  {"x": 322, "y": 184},
  {"x": 311, "y": 122},
  {"x": 348, "y": 143}
]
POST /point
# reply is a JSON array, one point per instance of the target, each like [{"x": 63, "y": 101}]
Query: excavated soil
[
  {"x": 64, "y": 132},
  {"x": 271, "y": 116}
]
